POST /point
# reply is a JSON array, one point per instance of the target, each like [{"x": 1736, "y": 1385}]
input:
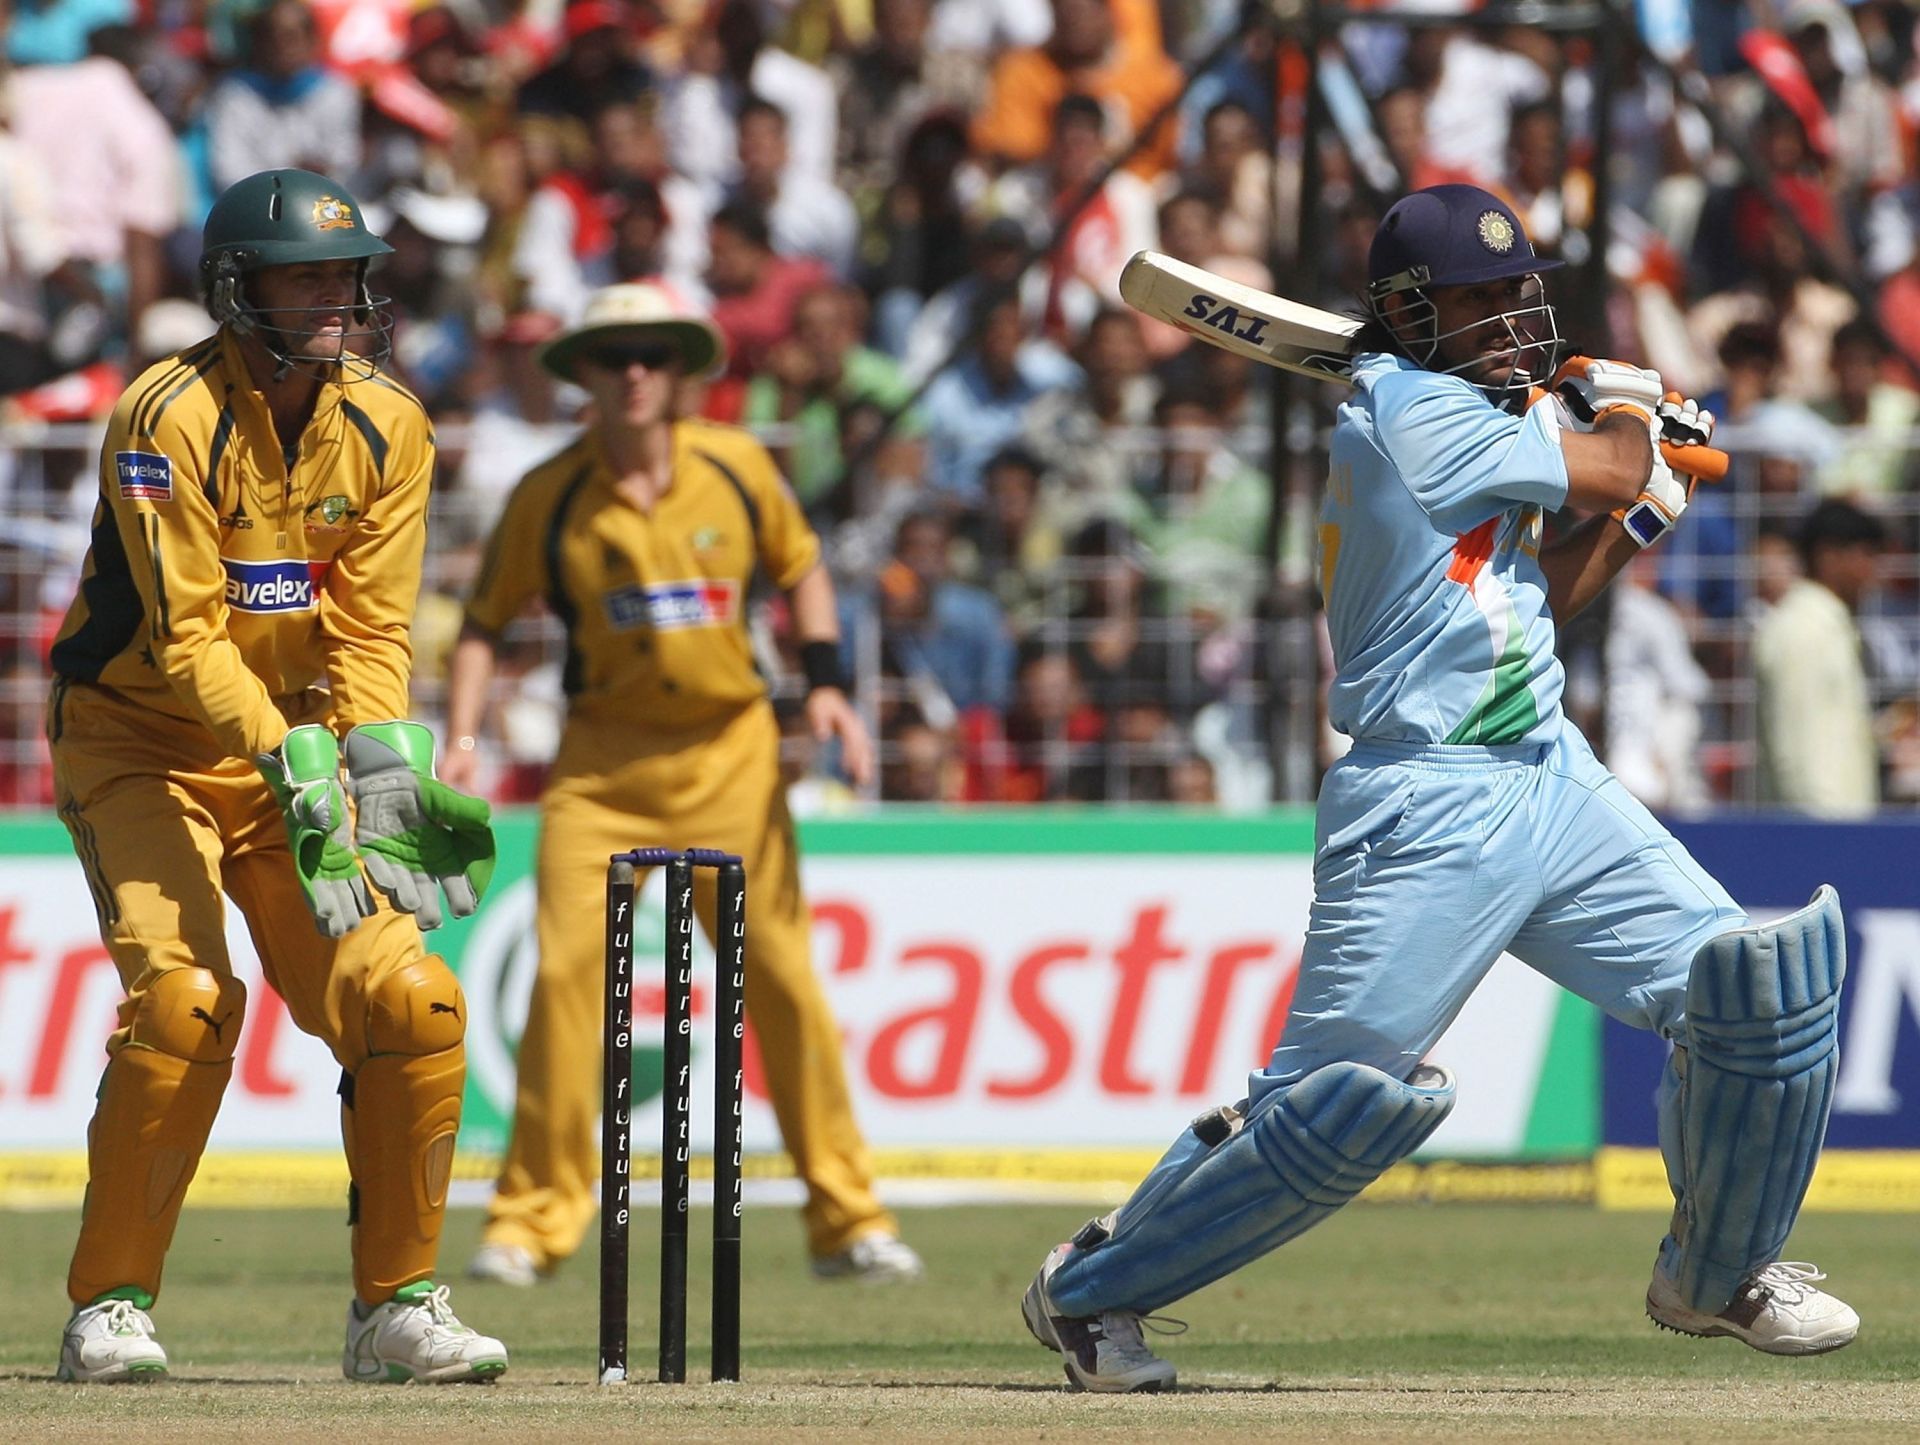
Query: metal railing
[{"x": 1140, "y": 672}]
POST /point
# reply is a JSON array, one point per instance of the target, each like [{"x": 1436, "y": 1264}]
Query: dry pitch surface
[{"x": 1389, "y": 1323}]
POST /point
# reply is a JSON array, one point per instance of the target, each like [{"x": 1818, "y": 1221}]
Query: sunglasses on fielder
[{"x": 618, "y": 356}]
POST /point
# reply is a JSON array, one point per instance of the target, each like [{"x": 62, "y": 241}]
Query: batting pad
[
  {"x": 1763, "y": 1018},
  {"x": 1310, "y": 1150}
]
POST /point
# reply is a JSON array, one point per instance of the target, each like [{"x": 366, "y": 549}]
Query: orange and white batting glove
[
  {"x": 1651, "y": 515},
  {"x": 1600, "y": 387}
]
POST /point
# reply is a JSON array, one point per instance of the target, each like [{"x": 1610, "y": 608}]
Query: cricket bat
[{"x": 1290, "y": 335}]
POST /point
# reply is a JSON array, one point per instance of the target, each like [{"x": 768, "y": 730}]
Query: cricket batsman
[
  {"x": 1471, "y": 818},
  {"x": 241, "y": 632},
  {"x": 642, "y": 538}
]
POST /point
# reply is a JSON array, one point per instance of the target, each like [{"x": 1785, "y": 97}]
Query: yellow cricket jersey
[
  {"x": 225, "y": 572},
  {"x": 654, "y": 604}
]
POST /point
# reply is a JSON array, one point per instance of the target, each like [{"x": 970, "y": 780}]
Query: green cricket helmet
[{"x": 283, "y": 218}]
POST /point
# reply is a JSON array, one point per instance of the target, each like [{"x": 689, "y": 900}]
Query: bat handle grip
[{"x": 1706, "y": 464}]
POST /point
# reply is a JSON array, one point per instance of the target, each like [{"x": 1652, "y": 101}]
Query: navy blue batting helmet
[{"x": 1451, "y": 235}]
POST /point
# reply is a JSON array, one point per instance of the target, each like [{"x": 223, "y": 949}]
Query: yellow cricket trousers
[
  {"x": 616, "y": 787},
  {"x": 164, "y": 824}
]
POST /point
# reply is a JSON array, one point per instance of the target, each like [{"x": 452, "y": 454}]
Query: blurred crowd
[{"x": 1061, "y": 536}]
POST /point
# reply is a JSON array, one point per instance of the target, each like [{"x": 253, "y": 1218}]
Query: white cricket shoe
[
  {"x": 872, "y": 1259},
  {"x": 110, "y": 1342},
  {"x": 416, "y": 1336},
  {"x": 1106, "y": 1352},
  {"x": 504, "y": 1264},
  {"x": 1777, "y": 1310}
]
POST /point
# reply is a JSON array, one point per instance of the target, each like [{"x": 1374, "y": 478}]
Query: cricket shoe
[
  {"x": 1104, "y": 1352},
  {"x": 872, "y": 1259},
  {"x": 109, "y": 1342},
  {"x": 1776, "y": 1310},
  {"x": 416, "y": 1336},
  {"x": 504, "y": 1264}
]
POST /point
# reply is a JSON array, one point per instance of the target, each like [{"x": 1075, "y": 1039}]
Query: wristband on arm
[{"x": 820, "y": 661}]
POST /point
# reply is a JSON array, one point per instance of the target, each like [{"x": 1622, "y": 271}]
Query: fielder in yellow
[
  {"x": 642, "y": 538},
  {"x": 241, "y": 624}
]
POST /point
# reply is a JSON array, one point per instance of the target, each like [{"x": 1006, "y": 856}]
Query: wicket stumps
[{"x": 616, "y": 1131}]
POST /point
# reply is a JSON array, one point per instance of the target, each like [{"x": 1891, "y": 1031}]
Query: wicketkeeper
[
  {"x": 1471, "y": 818},
  {"x": 240, "y": 631}
]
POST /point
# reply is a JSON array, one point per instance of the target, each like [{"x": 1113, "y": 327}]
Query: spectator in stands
[
  {"x": 888, "y": 85},
  {"x": 1816, "y": 730},
  {"x": 1655, "y": 690},
  {"x": 1780, "y": 287},
  {"x": 921, "y": 763},
  {"x": 1050, "y": 748},
  {"x": 1470, "y": 90},
  {"x": 114, "y": 195},
  {"x": 979, "y": 405},
  {"x": 1087, "y": 54},
  {"x": 1549, "y": 195},
  {"x": 1877, "y": 457},
  {"x": 54, "y": 32},
  {"x": 808, "y": 214},
  {"x": 32, "y": 255},
  {"x": 936, "y": 633},
  {"x": 285, "y": 108},
  {"x": 727, "y": 60},
  {"x": 910, "y": 249},
  {"x": 1236, "y": 166},
  {"x": 1119, "y": 644},
  {"x": 596, "y": 66},
  {"x": 1203, "y": 521},
  {"x": 1091, "y": 436},
  {"x": 517, "y": 418},
  {"x": 1868, "y": 148},
  {"x": 755, "y": 292},
  {"x": 1017, "y": 553},
  {"x": 1091, "y": 232},
  {"x": 998, "y": 265},
  {"x": 812, "y": 377},
  {"x": 1190, "y": 781}
]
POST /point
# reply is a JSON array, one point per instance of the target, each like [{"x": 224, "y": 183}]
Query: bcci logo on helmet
[
  {"x": 330, "y": 213},
  {"x": 1496, "y": 232}
]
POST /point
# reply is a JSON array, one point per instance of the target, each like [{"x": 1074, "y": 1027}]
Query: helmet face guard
[
  {"x": 285, "y": 218},
  {"x": 365, "y": 347},
  {"x": 1533, "y": 335}
]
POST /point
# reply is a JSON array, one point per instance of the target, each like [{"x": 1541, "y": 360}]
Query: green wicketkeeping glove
[
  {"x": 418, "y": 836},
  {"x": 304, "y": 773}
]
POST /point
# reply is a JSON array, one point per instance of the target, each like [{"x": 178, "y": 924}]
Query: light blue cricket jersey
[{"x": 1429, "y": 561}]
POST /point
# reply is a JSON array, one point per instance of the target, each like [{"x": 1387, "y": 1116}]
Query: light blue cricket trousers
[{"x": 1433, "y": 859}]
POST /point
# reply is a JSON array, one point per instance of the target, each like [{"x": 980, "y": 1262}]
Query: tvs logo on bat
[{"x": 1221, "y": 315}]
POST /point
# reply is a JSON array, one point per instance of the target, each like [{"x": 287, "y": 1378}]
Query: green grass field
[{"x": 1390, "y": 1322}]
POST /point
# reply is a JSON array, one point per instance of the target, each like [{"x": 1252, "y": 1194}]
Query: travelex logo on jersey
[
  {"x": 671, "y": 606},
  {"x": 280, "y": 584},
  {"x": 144, "y": 474}
]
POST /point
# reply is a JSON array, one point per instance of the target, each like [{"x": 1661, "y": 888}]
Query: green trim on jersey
[{"x": 1506, "y": 711}]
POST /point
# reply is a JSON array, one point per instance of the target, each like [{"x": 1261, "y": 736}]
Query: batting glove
[
  {"x": 304, "y": 774},
  {"x": 1597, "y": 388},
  {"x": 1683, "y": 421},
  {"x": 419, "y": 837},
  {"x": 1651, "y": 515}
]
